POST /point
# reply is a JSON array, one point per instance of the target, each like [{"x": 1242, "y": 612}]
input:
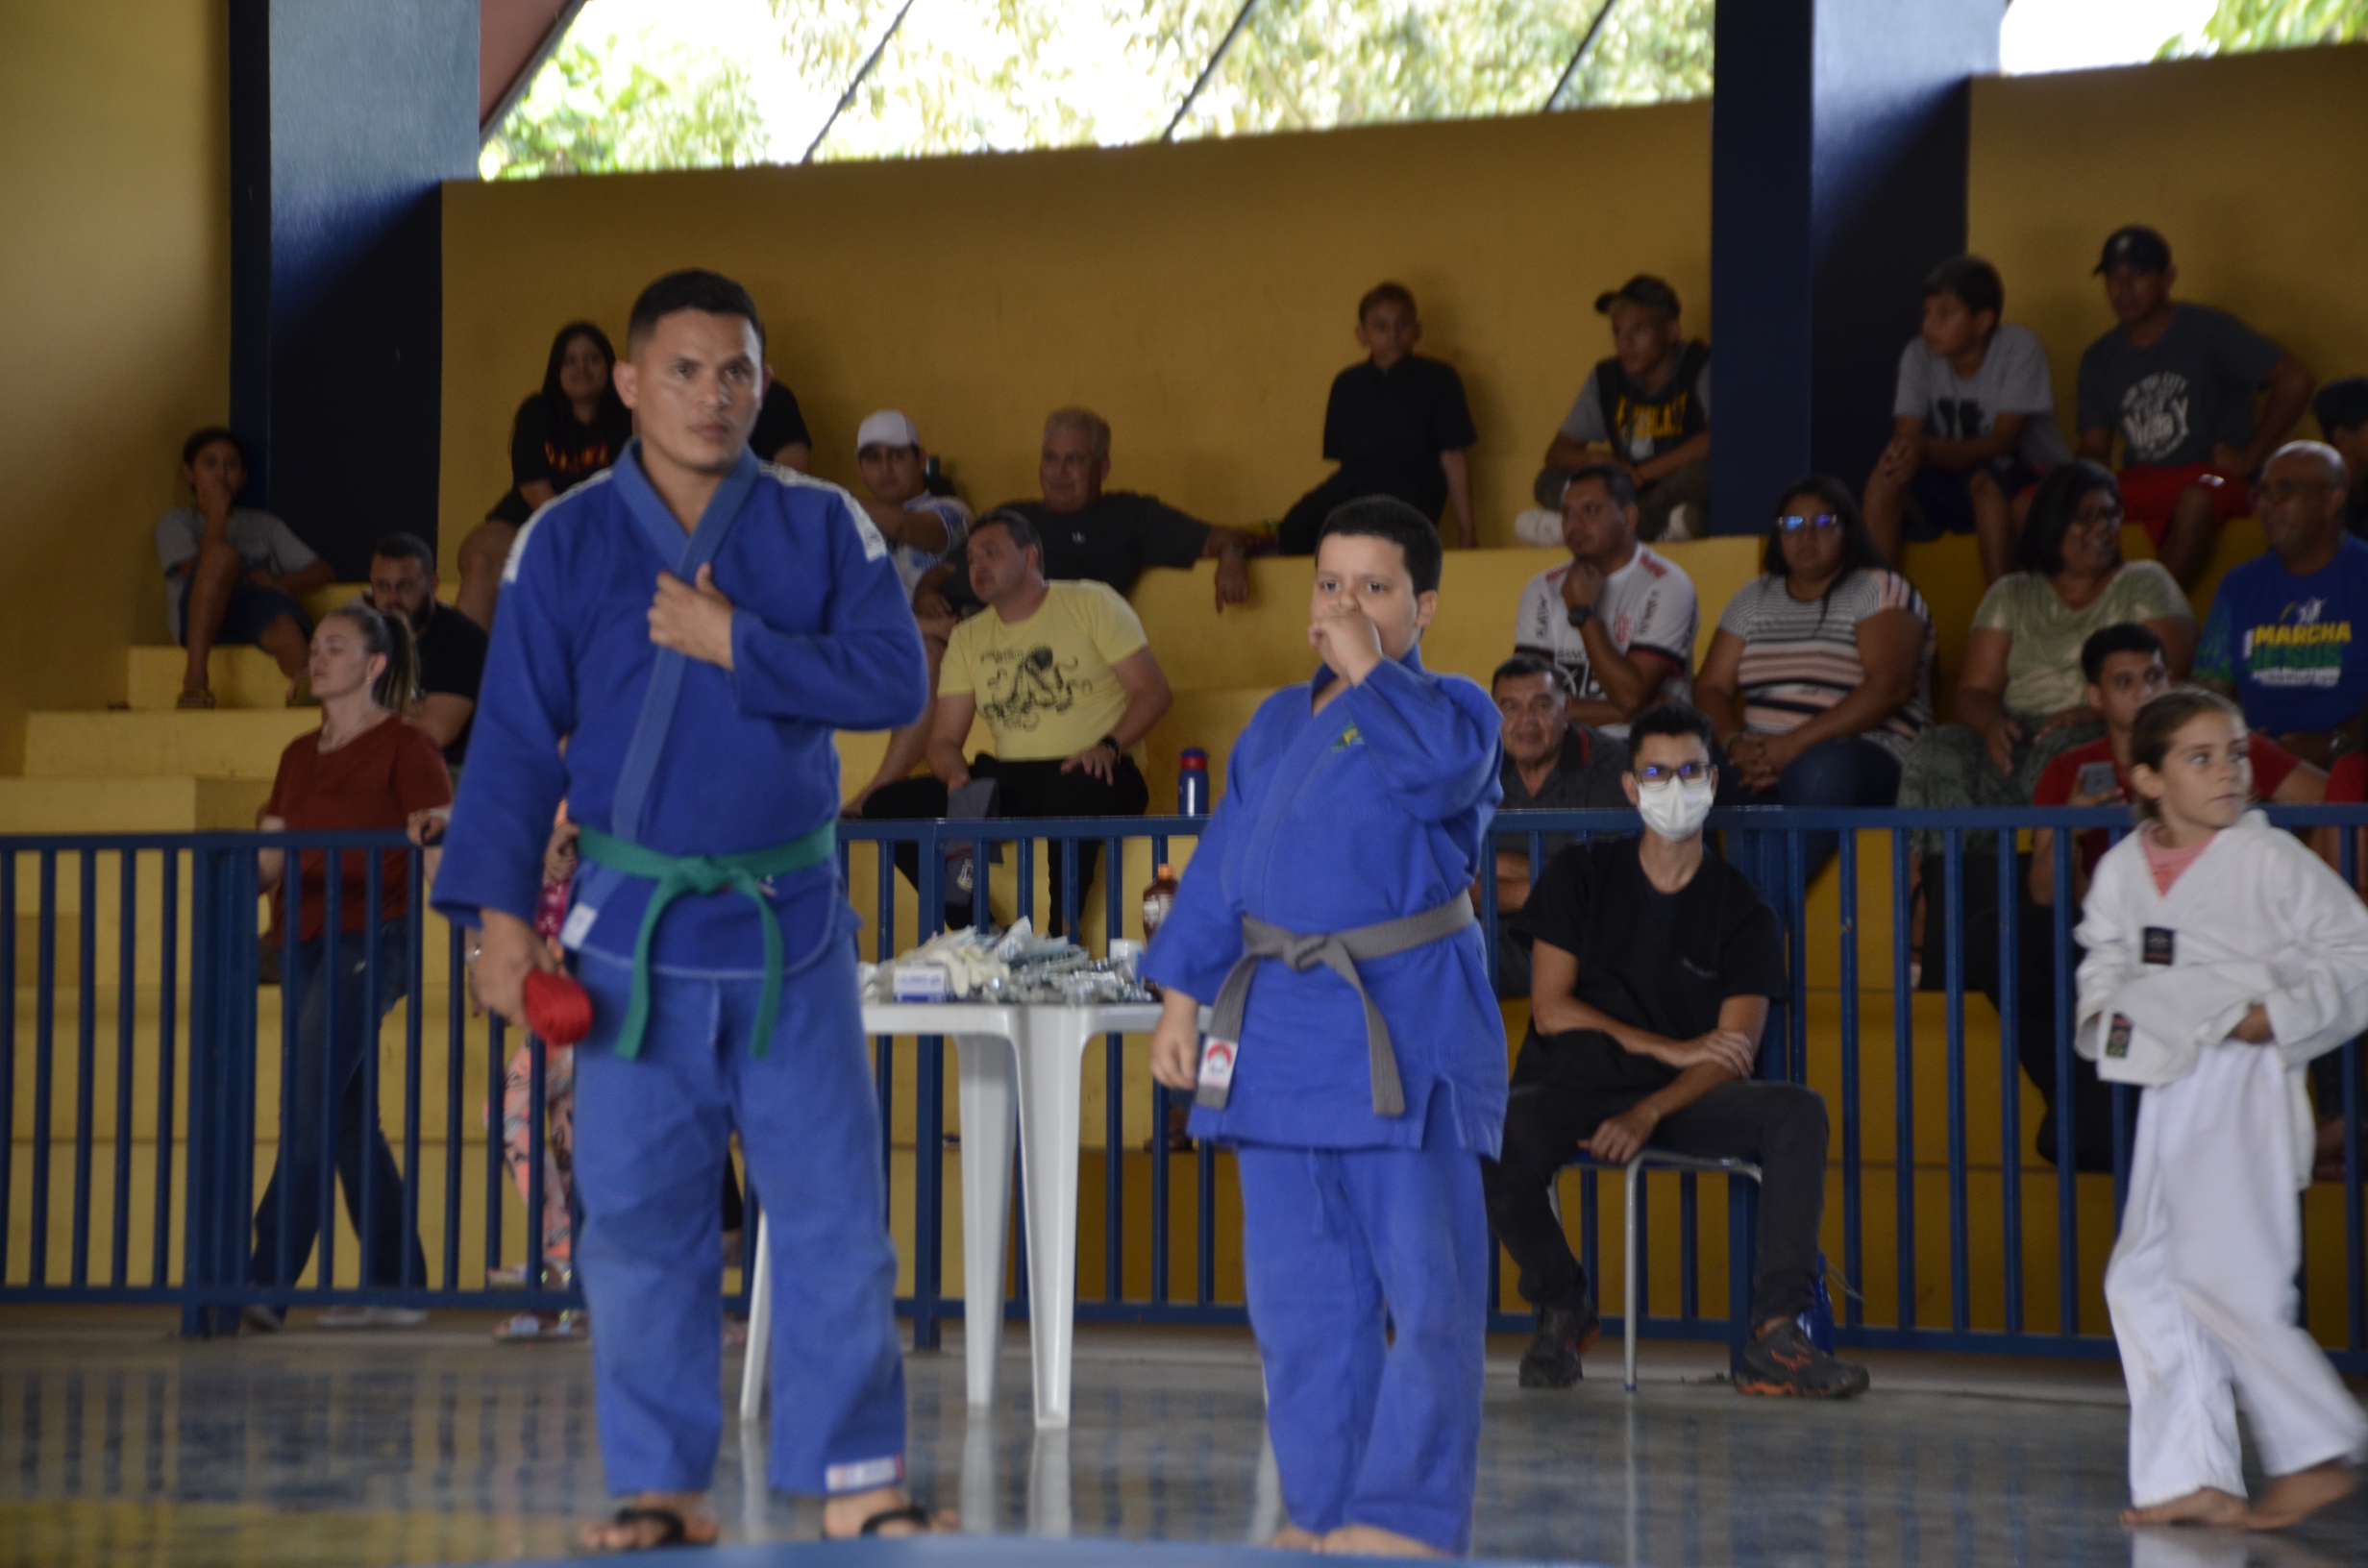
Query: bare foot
[
  {"x": 1374, "y": 1541},
  {"x": 843, "y": 1516},
  {"x": 1292, "y": 1538},
  {"x": 641, "y": 1534},
  {"x": 2204, "y": 1506},
  {"x": 2293, "y": 1498}
]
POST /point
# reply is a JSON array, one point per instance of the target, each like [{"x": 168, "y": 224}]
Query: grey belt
[{"x": 1338, "y": 951}]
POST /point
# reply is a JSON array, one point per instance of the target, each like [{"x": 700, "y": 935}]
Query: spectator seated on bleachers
[
  {"x": 2175, "y": 382},
  {"x": 1647, "y": 410},
  {"x": 781, "y": 436},
  {"x": 561, "y": 436},
  {"x": 1973, "y": 421},
  {"x": 233, "y": 574},
  {"x": 1396, "y": 424},
  {"x": 2288, "y": 635},
  {"x": 1617, "y": 618},
  {"x": 923, "y": 531},
  {"x": 1108, "y": 536},
  {"x": 1820, "y": 675},
  {"x": 2021, "y": 697},
  {"x": 1653, "y": 968},
  {"x": 1068, "y": 688},
  {"x": 451, "y": 647},
  {"x": 2125, "y": 669},
  {"x": 1550, "y": 764},
  {"x": 2342, "y": 410}
]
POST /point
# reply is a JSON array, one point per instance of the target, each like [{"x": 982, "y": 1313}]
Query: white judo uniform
[{"x": 2201, "y": 1284}]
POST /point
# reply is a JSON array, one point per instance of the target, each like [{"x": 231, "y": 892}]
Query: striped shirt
[{"x": 1802, "y": 657}]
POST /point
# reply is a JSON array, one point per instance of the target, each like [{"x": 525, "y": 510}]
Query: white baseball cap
[{"x": 886, "y": 429}]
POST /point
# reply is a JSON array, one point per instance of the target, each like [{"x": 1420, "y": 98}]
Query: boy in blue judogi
[
  {"x": 1356, "y": 1059},
  {"x": 708, "y": 921}
]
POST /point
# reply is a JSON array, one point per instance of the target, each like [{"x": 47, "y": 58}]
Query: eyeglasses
[
  {"x": 1822, "y": 521},
  {"x": 2102, "y": 517},
  {"x": 1653, "y": 773}
]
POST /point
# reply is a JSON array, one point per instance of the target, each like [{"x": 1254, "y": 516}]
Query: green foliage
[
  {"x": 597, "y": 108},
  {"x": 2241, "y": 26},
  {"x": 965, "y": 76}
]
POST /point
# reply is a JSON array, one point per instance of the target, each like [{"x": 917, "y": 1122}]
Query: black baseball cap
[
  {"x": 1642, "y": 289},
  {"x": 2134, "y": 245}
]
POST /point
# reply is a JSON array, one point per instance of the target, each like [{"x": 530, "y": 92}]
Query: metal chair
[{"x": 1742, "y": 1216}]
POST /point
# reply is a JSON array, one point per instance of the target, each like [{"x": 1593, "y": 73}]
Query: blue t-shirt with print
[{"x": 2296, "y": 648}]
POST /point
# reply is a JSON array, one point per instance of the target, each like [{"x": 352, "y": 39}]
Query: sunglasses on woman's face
[{"x": 1822, "y": 523}]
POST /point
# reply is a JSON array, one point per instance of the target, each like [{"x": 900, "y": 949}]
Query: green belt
[{"x": 679, "y": 875}]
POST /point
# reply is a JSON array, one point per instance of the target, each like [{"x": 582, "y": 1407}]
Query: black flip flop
[
  {"x": 672, "y": 1532},
  {"x": 911, "y": 1513}
]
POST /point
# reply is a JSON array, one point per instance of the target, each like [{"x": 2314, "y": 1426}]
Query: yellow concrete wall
[
  {"x": 2247, "y": 166},
  {"x": 1200, "y": 297},
  {"x": 116, "y": 272}
]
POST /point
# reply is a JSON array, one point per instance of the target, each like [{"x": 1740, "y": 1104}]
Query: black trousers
[
  {"x": 1022, "y": 789},
  {"x": 1297, "y": 533},
  {"x": 1779, "y": 1127}
]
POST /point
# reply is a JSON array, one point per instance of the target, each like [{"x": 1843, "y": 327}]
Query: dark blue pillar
[
  {"x": 1839, "y": 139},
  {"x": 345, "y": 117}
]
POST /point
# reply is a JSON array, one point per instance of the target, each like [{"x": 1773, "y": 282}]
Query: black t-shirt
[
  {"x": 779, "y": 423},
  {"x": 452, "y": 660},
  {"x": 1387, "y": 428},
  {"x": 1113, "y": 537},
  {"x": 559, "y": 449},
  {"x": 1659, "y": 961}
]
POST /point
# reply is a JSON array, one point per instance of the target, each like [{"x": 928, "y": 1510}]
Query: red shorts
[{"x": 2149, "y": 492}]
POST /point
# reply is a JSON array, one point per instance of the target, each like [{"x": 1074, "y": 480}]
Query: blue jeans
[
  {"x": 317, "y": 1065},
  {"x": 1851, "y": 771}
]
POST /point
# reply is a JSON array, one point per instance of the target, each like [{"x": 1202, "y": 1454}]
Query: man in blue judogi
[
  {"x": 695, "y": 625},
  {"x": 1356, "y": 1057}
]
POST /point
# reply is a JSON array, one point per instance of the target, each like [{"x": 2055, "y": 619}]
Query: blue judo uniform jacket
[
  {"x": 823, "y": 640},
  {"x": 1377, "y": 807}
]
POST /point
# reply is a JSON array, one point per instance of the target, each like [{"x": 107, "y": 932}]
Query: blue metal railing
[{"x": 183, "y": 1086}]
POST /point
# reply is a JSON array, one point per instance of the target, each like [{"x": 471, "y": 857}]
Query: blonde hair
[{"x": 2159, "y": 724}]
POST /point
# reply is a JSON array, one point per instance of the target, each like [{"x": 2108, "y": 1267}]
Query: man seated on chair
[{"x": 1650, "y": 979}]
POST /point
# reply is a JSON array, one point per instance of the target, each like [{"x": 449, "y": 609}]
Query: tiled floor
[{"x": 120, "y": 1444}]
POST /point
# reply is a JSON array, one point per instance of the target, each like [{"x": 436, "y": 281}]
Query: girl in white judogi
[{"x": 2222, "y": 956}]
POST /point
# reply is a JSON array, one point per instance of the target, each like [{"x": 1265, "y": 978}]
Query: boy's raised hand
[{"x": 1346, "y": 638}]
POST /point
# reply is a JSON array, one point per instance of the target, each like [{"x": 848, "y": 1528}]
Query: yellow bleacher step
[
  {"x": 225, "y": 743},
  {"x": 130, "y": 805},
  {"x": 240, "y": 678}
]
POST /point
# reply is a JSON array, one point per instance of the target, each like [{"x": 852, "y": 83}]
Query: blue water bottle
[{"x": 1192, "y": 784}]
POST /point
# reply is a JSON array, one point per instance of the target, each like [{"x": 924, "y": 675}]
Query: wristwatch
[
  {"x": 1112, "y": 741},
  {"x": 1580, "y": 615}
]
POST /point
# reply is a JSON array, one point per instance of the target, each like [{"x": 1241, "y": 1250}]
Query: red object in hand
[{"x": 558, "y": 1009}]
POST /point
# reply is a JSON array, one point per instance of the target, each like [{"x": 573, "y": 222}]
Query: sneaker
[
  {"x": 373, "y": 1317},
  {"x": 261, "y": 1319},
  {"x": 1552, "y": 1359},
  {"x": 1780, "y": 1361}
]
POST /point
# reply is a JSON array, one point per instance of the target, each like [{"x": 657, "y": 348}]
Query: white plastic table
[{"x": 1025, "y": 1060}]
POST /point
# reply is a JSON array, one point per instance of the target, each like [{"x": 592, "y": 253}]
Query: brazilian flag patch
[{"x": 1348, "y": 738}]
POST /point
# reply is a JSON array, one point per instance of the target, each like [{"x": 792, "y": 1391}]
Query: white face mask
[{"x": 1674, "y": 808}]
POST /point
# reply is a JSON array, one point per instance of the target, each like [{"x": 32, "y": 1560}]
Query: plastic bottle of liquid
[{"x": 1192, "y": 783}]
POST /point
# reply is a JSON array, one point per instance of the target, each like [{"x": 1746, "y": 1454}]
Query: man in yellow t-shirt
[{"x": 1068, "y": 687}]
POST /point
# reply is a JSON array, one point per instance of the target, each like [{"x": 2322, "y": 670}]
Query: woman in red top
[{"x": 367, "y": 767}]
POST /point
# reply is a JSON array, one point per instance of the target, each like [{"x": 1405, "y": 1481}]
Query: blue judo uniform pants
[
  {"x": 1367, "y": 1429},
  {"x": 652, "y": 1138}
]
